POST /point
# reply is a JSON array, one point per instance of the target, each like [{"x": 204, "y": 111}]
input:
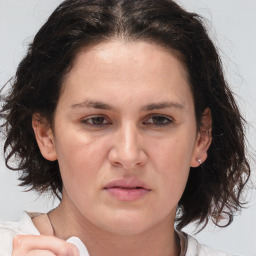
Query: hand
[{"x": 28, "y": 245}]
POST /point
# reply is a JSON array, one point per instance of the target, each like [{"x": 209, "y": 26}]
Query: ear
[
  {"x": 44, "y": 137},
  {"x": 204, "y": 139}
]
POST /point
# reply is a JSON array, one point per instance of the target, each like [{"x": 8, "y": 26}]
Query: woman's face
[{"x": 125, "y": 136}]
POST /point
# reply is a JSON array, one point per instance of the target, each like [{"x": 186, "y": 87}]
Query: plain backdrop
[{"x": 232, "y": 25}]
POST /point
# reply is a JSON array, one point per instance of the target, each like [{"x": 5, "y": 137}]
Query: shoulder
[
  {"x": 195, "y": 248},
  {"x": 9, "y": 229}
]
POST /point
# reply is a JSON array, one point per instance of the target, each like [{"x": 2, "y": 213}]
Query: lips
[
  {"x": 127, "y": 183},
  {"x": 127, "y": 189}
]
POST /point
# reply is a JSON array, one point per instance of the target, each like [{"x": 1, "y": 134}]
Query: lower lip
[{"x": 124, "y": 194}]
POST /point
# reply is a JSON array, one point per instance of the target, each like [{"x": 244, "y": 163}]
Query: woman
[{"x": 120, "y": 108}]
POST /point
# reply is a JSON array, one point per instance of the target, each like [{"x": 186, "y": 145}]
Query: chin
[{"x": 128, "y": 224}]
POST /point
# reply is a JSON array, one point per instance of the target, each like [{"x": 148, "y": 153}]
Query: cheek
[
  {"x": 172, "y": 162},
  {"x": 175, "y": 152},
  {"x": 79, "y": 159}
]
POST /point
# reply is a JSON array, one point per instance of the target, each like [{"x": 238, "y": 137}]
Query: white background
[{"x": 232, "y": 24}]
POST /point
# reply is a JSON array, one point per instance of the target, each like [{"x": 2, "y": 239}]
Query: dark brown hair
[{"x": 213, "y": 189}]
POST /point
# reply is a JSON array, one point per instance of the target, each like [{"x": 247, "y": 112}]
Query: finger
[
  {"x": 33, "y": 253},
  {"x": 40, "y": 253},
  {"x": 23, "y": 244}
]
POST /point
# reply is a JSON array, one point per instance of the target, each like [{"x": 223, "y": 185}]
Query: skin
[{"x": 126, "y": 111}]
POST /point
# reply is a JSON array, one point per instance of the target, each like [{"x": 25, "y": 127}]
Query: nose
[{"x": 127, "y": 148}]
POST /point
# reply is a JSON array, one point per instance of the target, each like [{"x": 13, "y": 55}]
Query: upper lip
[{"x": 127, "y": 183}]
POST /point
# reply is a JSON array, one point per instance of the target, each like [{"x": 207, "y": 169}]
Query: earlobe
[
  {"x": 204, "y": 139},
  {"x": 44, "y": 137}
]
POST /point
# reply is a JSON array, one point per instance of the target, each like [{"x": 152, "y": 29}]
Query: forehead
[
  {"x": 127, "y": 68},
  {"x": 119, "y": 53}
]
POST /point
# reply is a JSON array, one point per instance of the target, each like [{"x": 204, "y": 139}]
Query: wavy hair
[{"x": 215, "y": 188}]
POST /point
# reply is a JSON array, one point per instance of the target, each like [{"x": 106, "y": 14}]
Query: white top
[{"x": 25, "y": 226}]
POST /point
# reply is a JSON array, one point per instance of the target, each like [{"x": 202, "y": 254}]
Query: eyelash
[
  {"x": 94, "y": 118},
  {"x": 164, "y": 121}
]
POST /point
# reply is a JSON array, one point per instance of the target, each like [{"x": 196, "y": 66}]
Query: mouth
[
  {"x": 128, "y": 187},
  {"x": 127, "y": 190}
]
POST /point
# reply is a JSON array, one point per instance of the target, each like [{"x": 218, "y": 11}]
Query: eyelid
[
  {"x": 85, "y": 120},
  {"x": 168, "y": 118}
]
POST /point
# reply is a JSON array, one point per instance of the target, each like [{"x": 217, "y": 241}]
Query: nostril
[
  {"x": 116, "y": 164},
  {"x": 127, "y": 158}
]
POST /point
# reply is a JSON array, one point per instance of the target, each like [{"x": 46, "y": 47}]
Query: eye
[
  {"x": 158, "y": 120},
  {"x": 97, "y": 121}
]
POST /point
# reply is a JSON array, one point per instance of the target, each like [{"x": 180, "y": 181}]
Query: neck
[{"x": 158, "y": 240}]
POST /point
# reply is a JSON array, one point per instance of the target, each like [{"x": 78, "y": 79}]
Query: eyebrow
[
  {"x": 148, "y": 107},
  {"x": 93, "y": 104},
  {"x": 162, "y": 105}
]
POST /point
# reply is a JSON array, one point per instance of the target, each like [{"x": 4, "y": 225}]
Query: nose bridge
[
  {"x": 127, "y": 150},
  {"x": 127, "y": 142}
]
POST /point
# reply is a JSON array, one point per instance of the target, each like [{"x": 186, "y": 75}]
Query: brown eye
[
  {"x": 96, "y": 121},
  {"x": 159, "y": 120}
]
